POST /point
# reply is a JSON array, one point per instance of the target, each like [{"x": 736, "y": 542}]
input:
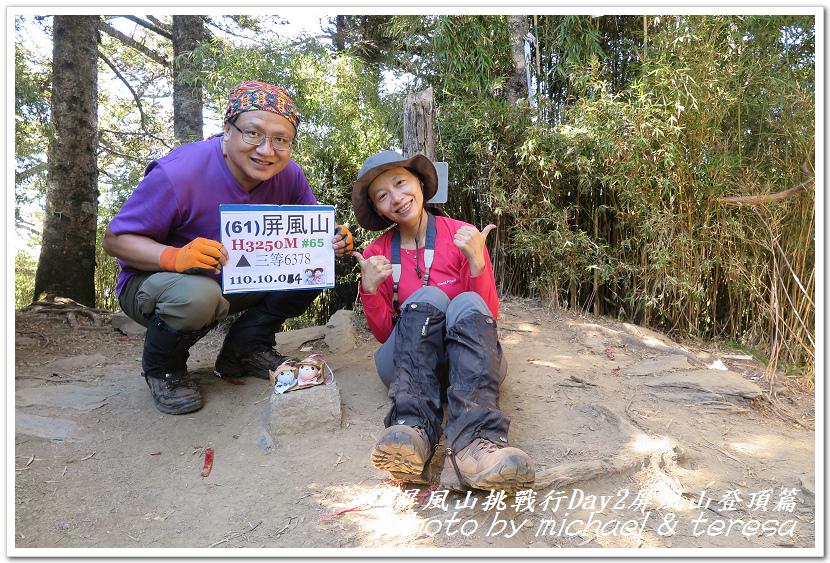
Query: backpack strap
[{"x": 429, "y": 256}]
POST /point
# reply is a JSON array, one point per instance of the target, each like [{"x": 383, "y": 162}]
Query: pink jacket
[{"x": 450, "y": 271}]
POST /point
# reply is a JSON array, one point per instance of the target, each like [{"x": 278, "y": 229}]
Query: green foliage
[
  {"x": 606, "y": 186},
  {"x": 25, "y": 267},
  {"x": 134, "y": 127},
  {"x": 345, "y": 122},
  {"x": 717, "y": 110},
  {"x": 32, "y": 79},
  {"x": 607, "y": 189},
  {"x": 464, "y": 57},
  {"x": 106, "y": 275}
]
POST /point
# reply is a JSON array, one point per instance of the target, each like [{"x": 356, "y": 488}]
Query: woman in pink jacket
[{"x": 429, "y": 295}]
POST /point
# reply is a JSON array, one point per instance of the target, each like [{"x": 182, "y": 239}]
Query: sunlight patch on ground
[
  {"x": 746, "y": 448},
  {"x": 384, "y": 513},
  {"x": 543, "y": 363},
  {"x": 664, "y": 492},
  {"x": 646, "y": 444}
]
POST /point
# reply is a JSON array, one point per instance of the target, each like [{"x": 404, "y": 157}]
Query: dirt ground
[{"x": 638, "y": 442}]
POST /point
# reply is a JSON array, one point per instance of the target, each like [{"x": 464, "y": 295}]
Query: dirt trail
[{"x": 638, "y": 443}]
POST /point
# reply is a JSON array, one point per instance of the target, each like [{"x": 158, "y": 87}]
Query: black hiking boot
[
  {"x": 165, "y": 366},
  {"x": 174, "y": 393},
  {"x": 257, "y": 364},
  {"x": 248, "y": 348}
]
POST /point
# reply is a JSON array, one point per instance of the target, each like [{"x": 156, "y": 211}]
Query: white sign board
[{"x": 277, "y": 247}]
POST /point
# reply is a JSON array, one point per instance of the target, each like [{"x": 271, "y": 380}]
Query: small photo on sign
[{"x": 315, "y": 276}]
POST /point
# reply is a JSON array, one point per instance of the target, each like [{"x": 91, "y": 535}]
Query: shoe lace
[
  {"x": 174, "y": 380},
  {"x": 483, "y": 448},
  {"x": 480, "y": 448}
]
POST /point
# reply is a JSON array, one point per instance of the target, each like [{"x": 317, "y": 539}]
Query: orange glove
[
  {"x": 346, "y": 234},
  {"x": 199, "y": 256}
]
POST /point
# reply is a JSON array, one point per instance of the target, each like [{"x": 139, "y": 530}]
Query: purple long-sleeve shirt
[{"x": 179, "y": 198}]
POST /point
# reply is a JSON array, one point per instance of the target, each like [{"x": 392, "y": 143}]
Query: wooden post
[
  {"x": 419, "y": 132},
  {"x": 419, "y": 125}
]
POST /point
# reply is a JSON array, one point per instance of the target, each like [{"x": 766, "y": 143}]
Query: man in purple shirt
[{"x": 166, "y": 238}]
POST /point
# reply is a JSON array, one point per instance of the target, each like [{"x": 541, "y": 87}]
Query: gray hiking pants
[
  {"x": 191, "y": 302},
  {"x": 440, "y": 346}
]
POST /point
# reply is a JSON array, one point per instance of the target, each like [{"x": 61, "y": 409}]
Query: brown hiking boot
[
  {"x": 258, "y": 364},
  {"x": 485, "y": 465},
  {"x": 174, "y": 393},
  {"x": 404, "y": 452}
]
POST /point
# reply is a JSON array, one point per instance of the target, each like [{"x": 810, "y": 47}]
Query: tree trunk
[
  {"x": 66, "y": 267},
  {"x": 188, "y": 33},
  {"x": 339, "y": 37},
  {"x": 419, "y": 129},
  {"x": 517, "y": 86},
  {"x": 419, "y": 125}
]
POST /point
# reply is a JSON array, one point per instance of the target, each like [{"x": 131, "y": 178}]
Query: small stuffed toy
[
  {"x": 284, "y": 377},
  {"x": 293, "y": 375},
  {"x": 309, "y": 372}
]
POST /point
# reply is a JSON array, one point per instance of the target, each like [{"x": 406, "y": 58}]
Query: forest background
[{"x": 654, "y": 169}]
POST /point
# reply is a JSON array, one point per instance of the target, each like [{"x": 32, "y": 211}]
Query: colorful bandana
[{"x": 250, "y": 96}]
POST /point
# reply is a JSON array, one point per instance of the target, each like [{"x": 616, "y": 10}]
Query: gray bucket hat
[{"x": 372, "y": 168}]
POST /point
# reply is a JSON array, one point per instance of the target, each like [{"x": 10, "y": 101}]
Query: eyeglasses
[{"x": 254, "y": 137}]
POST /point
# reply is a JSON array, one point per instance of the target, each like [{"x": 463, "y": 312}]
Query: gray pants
[
  {"x": 185, "y": 302},
  {"x": 461, "y": 306}
]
